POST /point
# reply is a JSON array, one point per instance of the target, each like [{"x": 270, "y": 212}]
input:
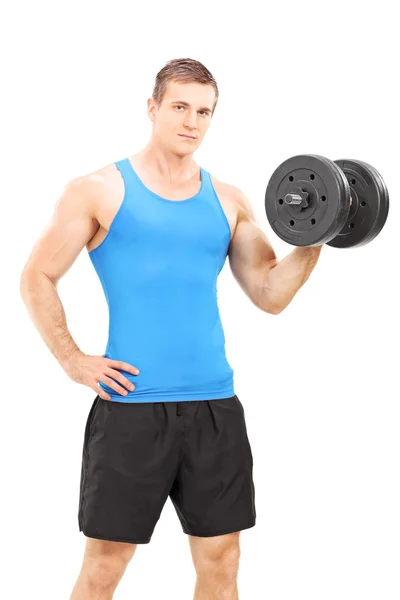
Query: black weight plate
[
  {"x": 369, "y": 208},
  {"x": 328, "y": 200}
]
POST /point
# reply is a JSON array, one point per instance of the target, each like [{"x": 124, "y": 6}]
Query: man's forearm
[
  {"x": 47, "y": 313},
  {"x": 284, "y": 280}
]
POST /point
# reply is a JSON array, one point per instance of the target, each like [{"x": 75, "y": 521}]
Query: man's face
[{"x": 184, "y": 111}]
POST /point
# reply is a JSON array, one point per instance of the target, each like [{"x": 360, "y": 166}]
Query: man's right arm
[{"x": 72, "y": 226}]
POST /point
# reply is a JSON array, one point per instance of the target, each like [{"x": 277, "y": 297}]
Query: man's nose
[{"x": 191, "y": 120}]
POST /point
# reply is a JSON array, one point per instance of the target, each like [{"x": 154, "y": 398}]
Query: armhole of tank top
[
  {"x": 118, "y": 213},
  {"x": 220, "y": 208}
]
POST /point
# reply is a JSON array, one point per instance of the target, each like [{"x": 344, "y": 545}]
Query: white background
[{"x": 319, "y": 383}]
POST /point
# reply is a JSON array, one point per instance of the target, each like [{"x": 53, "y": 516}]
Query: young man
[{"x": 165, "y": 421}]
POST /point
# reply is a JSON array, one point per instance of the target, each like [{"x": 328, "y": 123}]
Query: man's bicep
[
  {"x": 250, "y": 253},
  {"x": 69, "y": 230}
]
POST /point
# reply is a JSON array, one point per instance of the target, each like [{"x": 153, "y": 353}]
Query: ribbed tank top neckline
[{"x": 148, "y": 190}]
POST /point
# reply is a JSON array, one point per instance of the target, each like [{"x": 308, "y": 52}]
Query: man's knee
[
  {"x": 217, "y": 557},
  {"x": 105, "y": 562}
]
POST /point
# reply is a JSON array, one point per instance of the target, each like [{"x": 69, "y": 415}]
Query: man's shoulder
[
  {"x": 92, "y": 191},
  {"x": 226, "y": 189},
  {"x": 235, "y": 194},
  {"x": 95, "y": 183}
]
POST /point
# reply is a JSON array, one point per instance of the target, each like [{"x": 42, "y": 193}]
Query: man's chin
[{"x": 183, "y": 152}]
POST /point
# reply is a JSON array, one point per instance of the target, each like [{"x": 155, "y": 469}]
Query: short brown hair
[{"x": 182, "y": 70}]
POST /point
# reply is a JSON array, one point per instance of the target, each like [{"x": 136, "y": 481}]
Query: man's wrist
[{"x": 70, "y": 356}]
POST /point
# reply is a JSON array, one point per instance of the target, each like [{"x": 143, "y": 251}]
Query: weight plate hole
[
  {"x": 312, "y": 221},
  {"x": 280, "y": 201},
  {"x": 363, "y": 203},
  {"x": 323, "y": 198},
  {"x": 351, "y": 225},
  {"x": 291, "y": 223},
  {"x": 312, "y": 176},
  {"x": 290, "y": 178},
  {"x": 353, "y": 181}
]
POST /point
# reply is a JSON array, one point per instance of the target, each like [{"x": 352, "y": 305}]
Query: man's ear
[{"x": 151, "y": 108}]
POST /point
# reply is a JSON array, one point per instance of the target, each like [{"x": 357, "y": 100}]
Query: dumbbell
[{"x": 311, "y": 200}]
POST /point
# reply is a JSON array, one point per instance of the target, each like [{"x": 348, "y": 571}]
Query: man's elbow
[
  {"x": 30, "y": 277},
  {"x": 270, "y": 308},
  {"x": 25, "y": 282},
  {"x": 274, "y": 310}
]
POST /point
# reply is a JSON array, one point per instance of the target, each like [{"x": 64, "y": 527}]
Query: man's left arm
[{"x": 270, "y": 284}]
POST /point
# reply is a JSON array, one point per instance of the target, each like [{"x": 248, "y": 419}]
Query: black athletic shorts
[{"x": 135, "y": 455}]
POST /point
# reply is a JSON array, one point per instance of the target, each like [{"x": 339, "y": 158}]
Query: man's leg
[
  {"x": 130, "y": 458},
  {"x": 216, "y": 560},
  {"x": 103, "y": 565}
]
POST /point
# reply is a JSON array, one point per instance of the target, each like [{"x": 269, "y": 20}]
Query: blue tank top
[{"x": 158, "y": 266}]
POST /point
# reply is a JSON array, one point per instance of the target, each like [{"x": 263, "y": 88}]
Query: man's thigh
[{"x": 213, "y": 492}]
